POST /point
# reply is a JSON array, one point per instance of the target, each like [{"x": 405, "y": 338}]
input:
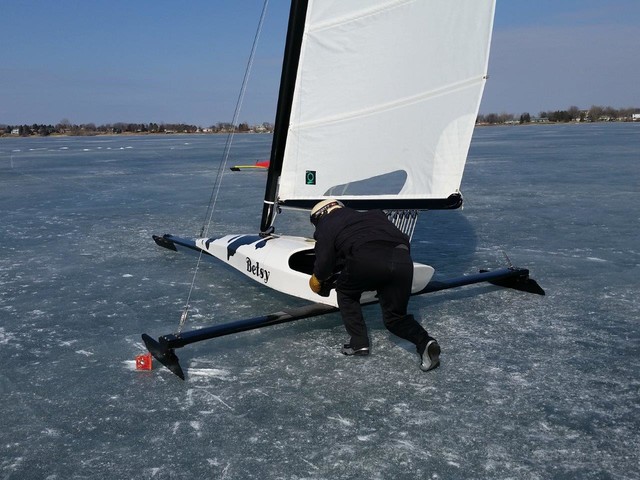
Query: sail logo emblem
[
  {"x": 310, "y": 177},
  {"x": 259, "y": 272}
]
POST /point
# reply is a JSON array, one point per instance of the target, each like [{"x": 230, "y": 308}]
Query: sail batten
[
  {"x": 368, "y": 9},
  {"x": 399, "y": 103}
]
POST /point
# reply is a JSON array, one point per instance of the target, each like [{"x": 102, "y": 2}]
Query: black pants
[{"x": 387, "y": 270}]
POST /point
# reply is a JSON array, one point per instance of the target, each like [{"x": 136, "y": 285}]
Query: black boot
[
  {"x": 429, "y": 355},
  {"x": 347, "y": 349}
]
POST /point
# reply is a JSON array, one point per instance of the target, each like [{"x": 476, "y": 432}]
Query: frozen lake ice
[{"x": 530, "y": 387}]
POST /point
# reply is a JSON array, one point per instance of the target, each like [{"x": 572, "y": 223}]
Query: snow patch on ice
[
  {"x": 343, "y": 421},
  {"x": 208, "y": 373},
  {"x": 130, "y": 364},
  {"x": 5, "y": 337}
]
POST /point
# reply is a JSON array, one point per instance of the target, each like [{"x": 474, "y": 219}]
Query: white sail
[{"x": 386, "y": 97}]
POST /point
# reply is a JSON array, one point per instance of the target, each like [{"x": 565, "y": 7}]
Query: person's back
[{"x": 345, "y": 230}]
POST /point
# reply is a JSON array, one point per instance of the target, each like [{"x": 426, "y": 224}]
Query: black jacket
[{"x": 341, "y": 232}]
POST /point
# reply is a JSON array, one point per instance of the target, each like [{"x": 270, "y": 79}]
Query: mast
[{"x": 295, "y": 30}]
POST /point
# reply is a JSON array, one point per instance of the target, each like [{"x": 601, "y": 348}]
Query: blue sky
[{"x": 166, "y": 61}]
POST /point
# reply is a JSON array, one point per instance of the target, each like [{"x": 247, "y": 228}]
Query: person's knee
[{"x": 392, "y": 320}]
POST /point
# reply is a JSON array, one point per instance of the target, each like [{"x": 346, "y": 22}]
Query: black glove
[
  {"x": 328, "y": 285},
  {"x": 325, "y": 289}
]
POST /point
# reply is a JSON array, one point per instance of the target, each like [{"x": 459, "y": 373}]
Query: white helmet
[{"x": 322, "y": 208}]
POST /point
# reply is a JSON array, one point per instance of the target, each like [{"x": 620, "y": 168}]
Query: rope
[{"x": 223, "y": 164}]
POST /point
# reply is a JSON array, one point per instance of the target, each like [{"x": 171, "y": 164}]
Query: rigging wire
[{"x": 222, "y": 167}]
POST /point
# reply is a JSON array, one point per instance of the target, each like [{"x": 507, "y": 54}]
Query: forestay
[{"x": 385, "y": 101}]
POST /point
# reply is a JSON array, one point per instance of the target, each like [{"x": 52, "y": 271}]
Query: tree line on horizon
[
  {"x": 64, "y": 127},
  {"x": 67, "y": 128},
  {"x": 573, "y": 114}
]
